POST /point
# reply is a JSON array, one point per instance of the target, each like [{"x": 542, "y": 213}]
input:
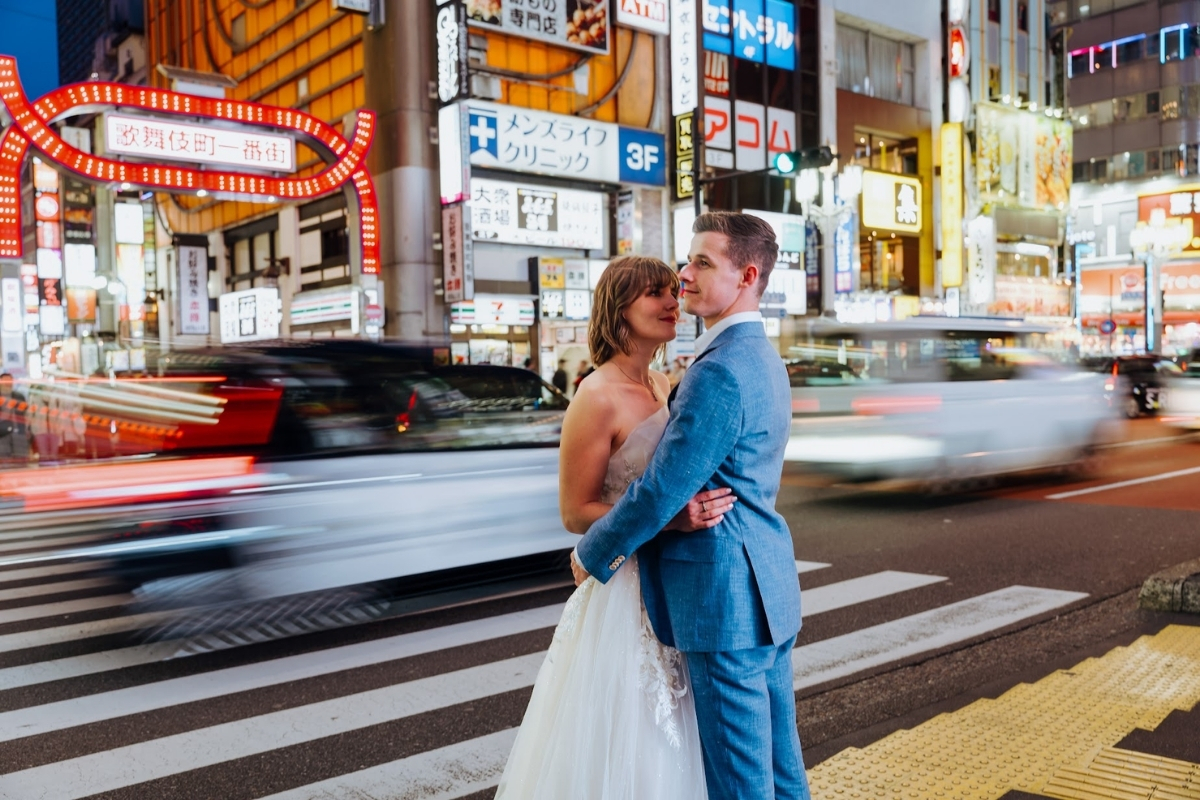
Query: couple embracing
[{"x": 670, "y": 673}]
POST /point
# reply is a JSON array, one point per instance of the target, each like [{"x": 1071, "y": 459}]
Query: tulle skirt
[{"x": 612, "y": 714}]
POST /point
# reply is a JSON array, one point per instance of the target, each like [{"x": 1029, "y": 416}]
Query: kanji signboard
[
  {"x": 538, "y": 215},
  {"x": 578, "y": 24},
  {"x": 148, "y": 137},
  {"x": 525, "y": 140}
]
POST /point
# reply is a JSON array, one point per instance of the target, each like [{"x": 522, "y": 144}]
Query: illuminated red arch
[{"x": 31, "y": 126}]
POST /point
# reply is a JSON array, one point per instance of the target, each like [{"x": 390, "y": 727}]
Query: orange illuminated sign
[{"x": 32, "y": 127}]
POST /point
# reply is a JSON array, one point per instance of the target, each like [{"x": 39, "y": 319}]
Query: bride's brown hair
[{"x": 624, "y": 281}]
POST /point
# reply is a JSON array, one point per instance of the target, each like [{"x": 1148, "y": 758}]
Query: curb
[{"x": 1173, "y": 589}]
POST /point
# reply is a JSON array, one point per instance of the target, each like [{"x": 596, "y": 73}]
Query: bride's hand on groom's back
[{"x": 705, "y": 510}]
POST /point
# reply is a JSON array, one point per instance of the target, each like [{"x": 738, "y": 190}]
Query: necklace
[{"x": 649, "y": 385}]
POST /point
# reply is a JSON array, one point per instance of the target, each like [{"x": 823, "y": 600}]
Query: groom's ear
[{"x": 750, "y": 274}]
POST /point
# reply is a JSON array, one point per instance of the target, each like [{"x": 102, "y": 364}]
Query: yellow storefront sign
[
  {"x": 951, "y": 185},
  {"x": 891, "y": 202}
]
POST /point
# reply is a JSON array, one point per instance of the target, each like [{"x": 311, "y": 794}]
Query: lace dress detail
[{"x": 612, "y": 716}]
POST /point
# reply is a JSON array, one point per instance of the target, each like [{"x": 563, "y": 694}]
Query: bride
[{"x": 612, "y": 716}]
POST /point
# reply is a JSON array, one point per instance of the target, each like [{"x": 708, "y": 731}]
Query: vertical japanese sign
[
  {"x": 193, "y": 290},
  {"x": 685, "y": 88},
  {"x": 685, "y": 155},
  {"x": 451, "y": 26},
  {"x": 458, "y": 274},
  {"x": 844, "y": 243},
  {"x": 951, "y": 186}
]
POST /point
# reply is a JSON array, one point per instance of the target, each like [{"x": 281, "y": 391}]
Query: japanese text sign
[
  {"x": 524, "y": 140},
  {"x": 521, "y": 214},
  {"x": 146, "y": 137},
  {"x": 193, "y": 290},
  {"x": 891, "y": 202},
  {"x": 755, "y": 30},
  {"x": 685, "y": 95},
  {"x": 578, "y": 24}
]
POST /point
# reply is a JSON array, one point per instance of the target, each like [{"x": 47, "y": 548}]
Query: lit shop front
[
  {"x": 1016, "y": 214},
  {"x": 1112, "y": 307},
  {"x": 95, "y": 274},
  {"x": 534, "y": 206}
]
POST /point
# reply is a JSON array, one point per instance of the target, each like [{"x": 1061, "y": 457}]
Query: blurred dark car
[
  {"x": 255, "y": 473},
  {"x": 1136, "y": 384}
]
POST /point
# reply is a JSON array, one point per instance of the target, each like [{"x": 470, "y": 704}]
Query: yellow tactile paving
[
  {"x": 1053, "y": 738},
  {"x": 1115, "y": 773}
]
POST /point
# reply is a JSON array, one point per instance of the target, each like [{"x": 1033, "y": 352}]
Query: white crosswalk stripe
[{"x": 94, "y": 684}]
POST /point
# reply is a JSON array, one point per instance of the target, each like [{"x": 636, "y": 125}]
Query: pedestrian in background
[
  {"x": 584, "y": 370},
  {"x": 12, "y": 429},
  {"x": 560, "y": 376}
]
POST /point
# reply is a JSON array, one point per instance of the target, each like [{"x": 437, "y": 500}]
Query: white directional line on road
[
  {"x": 53, "y": 588},
  {"x": 14, "y": 575},
  {"x": 159, "y": 758},
  {"x": 93, "y": 663},
  {"x": 45, "y": 542},
  {"x": 845, "y": 655},
  {"x": 1165, "y": 476},
  {"x": 475, "y": 765},
  {"x": 207, "y": 685},
  {"x": 861, "y": 590},
  {"x": 81, "y": 630},
  {"x": 66, "y": 607},
  {"x": 443, "y": 774}
]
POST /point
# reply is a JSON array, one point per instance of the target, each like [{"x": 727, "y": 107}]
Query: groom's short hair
[{"x": 751, "y": 241}]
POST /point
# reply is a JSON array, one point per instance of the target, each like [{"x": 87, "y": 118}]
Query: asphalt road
[{"x": 423, "y": 705}]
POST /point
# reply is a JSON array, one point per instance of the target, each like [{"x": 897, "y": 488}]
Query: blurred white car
[
  {"x": 1181, "y": 407},
  {"x": 938, "y": 399}
]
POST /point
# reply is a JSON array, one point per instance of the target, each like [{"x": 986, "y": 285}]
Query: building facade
[{"x": 1133, "y": 72}]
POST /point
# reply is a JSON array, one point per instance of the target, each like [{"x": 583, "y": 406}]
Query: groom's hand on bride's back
[{"x": 705, "y": 510}]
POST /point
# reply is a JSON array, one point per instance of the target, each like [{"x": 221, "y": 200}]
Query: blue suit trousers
[{"x": 747, "y": 715}]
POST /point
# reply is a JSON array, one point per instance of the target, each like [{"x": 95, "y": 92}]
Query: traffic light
[{"x": 808, "y": 158}]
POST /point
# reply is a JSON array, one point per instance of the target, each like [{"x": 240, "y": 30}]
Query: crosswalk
[{"x": 396, "y": 708}]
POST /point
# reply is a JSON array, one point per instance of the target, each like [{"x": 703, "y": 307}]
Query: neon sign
[{"x": 31, "y": 126}]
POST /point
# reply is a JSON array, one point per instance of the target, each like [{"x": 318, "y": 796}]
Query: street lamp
[{"x": 1154, "y": 242}]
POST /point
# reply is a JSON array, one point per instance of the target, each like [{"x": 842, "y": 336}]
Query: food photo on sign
[{"x": 581, "y": 24}]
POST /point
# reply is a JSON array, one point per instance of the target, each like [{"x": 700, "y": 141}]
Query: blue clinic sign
[
  {"x": 756, "y": 30},
  {"x": 539, "y": 142},
  {"x": 643, "y": 157}
]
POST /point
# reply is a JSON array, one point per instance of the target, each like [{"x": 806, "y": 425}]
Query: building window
[
  {"x": 1151, "y": 102},
  {"x": 1081, "y": 62},
  {"x": 993, "y": 10},
  {"x": 1130, "y": 51},
  {"x": 1022, "y": 17},
  {"x": 1100, "y": 169},
  {"x": 1153, "y": 162},
  {"x": 873, "y": 65},
  {"x": 1081, "y": 172}
]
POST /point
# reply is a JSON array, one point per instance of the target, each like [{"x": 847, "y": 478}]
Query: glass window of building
[
  {"x": 1081, "y": 62},
  {"x": 1130, "y": 51},
  {"x": 875, "y": 65},
  {"x": 1152, "y": 102}
]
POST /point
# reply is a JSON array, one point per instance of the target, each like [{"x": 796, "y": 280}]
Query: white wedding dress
[{"x": 612, "y": 715}]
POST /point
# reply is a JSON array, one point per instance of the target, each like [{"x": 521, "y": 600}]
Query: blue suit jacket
[{"x": 733, "y": 586}]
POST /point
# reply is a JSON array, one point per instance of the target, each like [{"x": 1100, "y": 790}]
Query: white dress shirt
[{"x": 705, "y": 339}]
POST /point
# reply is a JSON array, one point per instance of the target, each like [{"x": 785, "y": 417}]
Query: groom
[{"x": 727, "y": 596}]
